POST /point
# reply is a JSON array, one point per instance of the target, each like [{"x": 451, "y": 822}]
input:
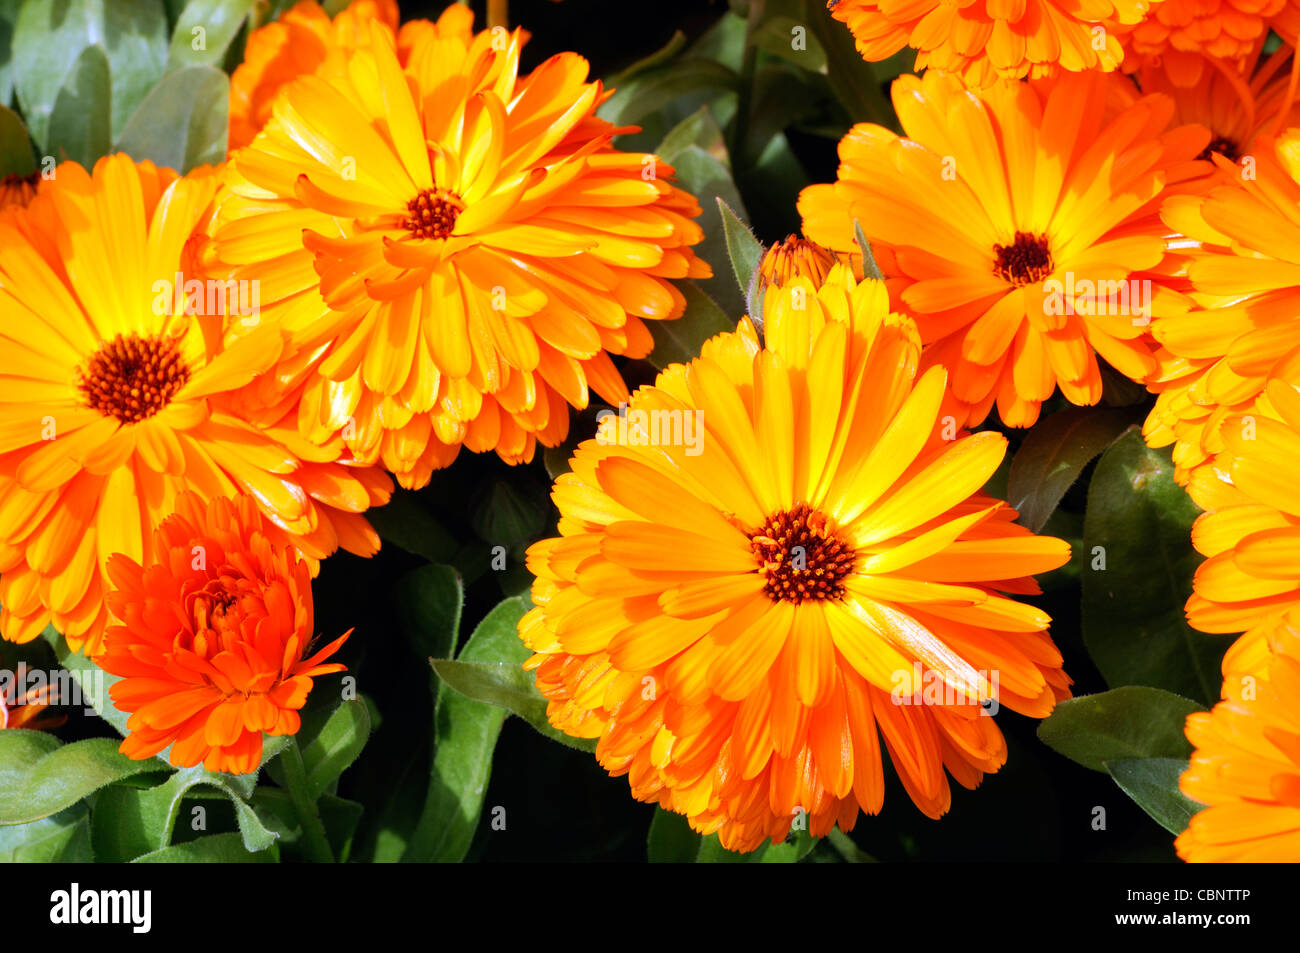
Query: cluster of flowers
[
  {"x": 1077, "y": 184},
  {"x": 411, "y": 247},
  {"x": 448, "y": 253},
  {"x": 1147, "y": 161}
]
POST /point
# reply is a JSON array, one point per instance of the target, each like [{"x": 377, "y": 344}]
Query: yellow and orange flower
[
  {"x": 801, "y": 563},
  {"x": 1241, "y": 260},
  {"x": 1188, "y": 36},
  {"x": 1246, "y": 765},
  {"x": 1250, "y": 532},
  {"x": 795, "y": 257},
  {"x": 292, "y": 46},
  {"x": 1017, "y": 219},
  {"x": 456, "y": 251},
  {"x": 1237, "y": 103},
  {"x": 211, "y": 638},
  {"x": 115, "y": 398},
  {"x": 984, "y": 40}
]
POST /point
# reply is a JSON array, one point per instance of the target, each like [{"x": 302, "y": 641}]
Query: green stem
[
  {"x": 313, "y": 831},
  {"x": 497, "y": 14},
  {"x": 745, "y": 97}
]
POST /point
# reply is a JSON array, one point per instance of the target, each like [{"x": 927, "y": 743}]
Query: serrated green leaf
[
  {"x": 182, "y": 123},
  {"x": 205, "y": 31},
  {"x": 677, "y": 342},
  {"x": 1052, "y": 456},
  {"x": 1138, "y": 524},
  {"x": 1124, "y": 723},
  {"x": 1153, "y": 785},
  {"x": 212, "y": 849},
  {"x": 79, "y": 127}
]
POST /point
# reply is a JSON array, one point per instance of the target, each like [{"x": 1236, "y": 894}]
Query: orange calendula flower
[
  {"x": 1237, "y": 103},
  {"x": 1237, "y": 332},
  {"x": 115, "y": 397},
  {"x": 1187, "y": 36},
  {"x": 212, "y": 638},
  {"x": 1250, "y": 532},
  {"x": 1016, "y": 220},
  {"x": 292, "y": 46},
  {"x": 984, "y": 40},
  {"x": 795, "y": 257},
  {"x": 1246, "y": 765},
  {"x": 454, "y": 251},
  {"x": 773, "y": 560}
]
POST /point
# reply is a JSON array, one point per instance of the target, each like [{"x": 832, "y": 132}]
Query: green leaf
[
  {"x": 869, "y": 267},
  {"x": 746, "y": 254},
  {"x": 338, "y": 743},
  {"x": 182, "y": 123},
  {"x": 1124, "y": 723},
  {"x": 671, "y": 840},
  {"x": 212, "y": 849},
  {"x": 406, "y": 523},
  {"x": 8, "y": 17},
  {"x": 1053, "y": 455},
  {"x": 128, "y": 822},
  {"x": 209, "y": 24},
  {"x": 779, "y": 35},
  {"x": 852, "y": 80},
  {"x": 1138, "y": 525},
  {"x": 677, "y": 342},
  {"x": 509, "y": 512},
  {"x": 51, "y": 35},
  {"x": 429, "y": 602},
  {"x": 79, "y": 123},
  {"x": 1153, "y": 784},
  {"x": 697, "y": 151},
  {"x": 15, "y": 146},
  {"x": 495, "y": 675},
  {"x": 790, "y": 851},
  {"x": 650, "y": 91},
  {"x": 36, "y": 783},
  {"x": 712, "y": 852},
  {"x": 62, "y": 838}
]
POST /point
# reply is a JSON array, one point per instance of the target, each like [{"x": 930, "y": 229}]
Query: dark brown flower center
[
  {"x": 801, "y": 557},
  {"x": 1222, "y": 145},
  {"x": 1025, "y": 260},
  {"x": 433, "y": 213},
  {"x": 133, "y": 377}
]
